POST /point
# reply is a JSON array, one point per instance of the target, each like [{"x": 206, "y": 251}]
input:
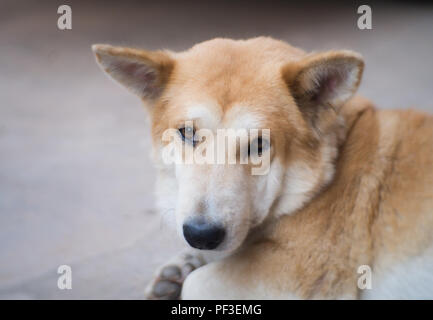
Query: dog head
[{"x": 283, "y": 106}]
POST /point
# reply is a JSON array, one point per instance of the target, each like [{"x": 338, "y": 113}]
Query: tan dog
[{"x": 347, "y": 186}]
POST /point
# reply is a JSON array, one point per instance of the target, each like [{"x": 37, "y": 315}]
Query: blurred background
[{"x": 76, "y": 180}]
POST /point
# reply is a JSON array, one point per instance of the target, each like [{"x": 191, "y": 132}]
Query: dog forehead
[
  {"x": 243, "y": 117},
  {"x": 232, "y": 71},
  {"x": 212, "y": 116},
  {"x": 264, "y": 48},
  {"x": 230, "y": 84}
]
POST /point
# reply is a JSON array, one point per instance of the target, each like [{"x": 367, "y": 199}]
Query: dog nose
[{"x": 203, "y": 235}]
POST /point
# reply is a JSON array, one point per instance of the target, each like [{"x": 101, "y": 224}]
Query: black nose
[{"x": 201, "y": 234}]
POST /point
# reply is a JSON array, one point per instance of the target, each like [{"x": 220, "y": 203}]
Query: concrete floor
[{"x": 76, "y": 181}]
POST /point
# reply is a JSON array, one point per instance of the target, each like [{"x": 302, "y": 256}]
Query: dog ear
[
  {"x": 145, "y": 73},
  {"x": 323, "y": 80}
]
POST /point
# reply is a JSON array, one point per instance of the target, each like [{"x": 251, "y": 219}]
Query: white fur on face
[
  {"x": 302, "y": 181},
  {"x": 299, "y": 180},
  {"x": 239, "y": 117},
  {"x": 208, "y": 115},
  {"x": 226, "y": 194},
  {"x": 219, "y": 192},
  {"x": 267, "y": 189},
  {"x": 230, "y": 195}
]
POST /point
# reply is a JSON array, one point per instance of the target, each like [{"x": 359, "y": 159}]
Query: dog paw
[{"x": 167, "y": 284}]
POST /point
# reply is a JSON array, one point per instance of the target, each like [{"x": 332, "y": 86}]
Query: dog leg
[
  {"x": 214, "y": 281},
  {"x": 168, "y": 280},
  {"x": 243, "y": 276},
  {"x": 261, "y": 272}
]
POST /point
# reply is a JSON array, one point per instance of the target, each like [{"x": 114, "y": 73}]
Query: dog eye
[
  {"x": 187, "y": 134},
  {"x": 258, "y": 145}
]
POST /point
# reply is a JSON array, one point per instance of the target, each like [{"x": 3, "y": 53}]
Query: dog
[{"x": 345, "y": 208}]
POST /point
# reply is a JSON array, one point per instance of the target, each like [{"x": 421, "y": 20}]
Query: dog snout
[{"x": 204, "y": 235}]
